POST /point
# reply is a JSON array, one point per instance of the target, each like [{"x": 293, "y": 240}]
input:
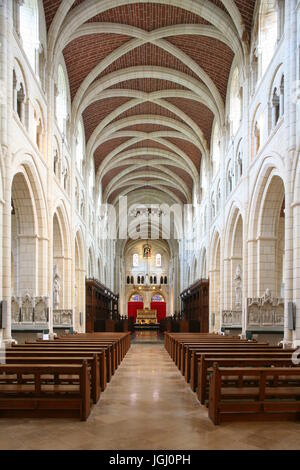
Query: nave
[{"x": 147, "y": 405}]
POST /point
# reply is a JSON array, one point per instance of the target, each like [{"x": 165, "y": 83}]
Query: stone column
[
  {"x": 16, "y": 14},
  {"x": 6, "y": 79},
  {"x": 296, "y": 211},
  {"x": 290, "y": 124},
  {"x": 50, "y": 190}
]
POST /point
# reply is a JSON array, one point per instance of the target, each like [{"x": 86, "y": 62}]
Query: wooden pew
[
  {"x": 114, "y": 345},
  {"x": 117, "y": 346},
  {"x": 59, "y": 393},
  {"x": 188, "y": 349},
  {"x": 74, "y": 348},
  {"x": 171, "y": 338},
  {"x": 206, "y": 368},
  {"x": 63, "y": 352},
  {"x": 92, "y": 361},
  {"x": 36, "y": 396},
  {"x": 108, "y": 345},
  {"x": 176, "y": 338},
  {"x": 186, "y": 371},
  {"x": 182, "y": 343},
  {"x": 122, "y": 338},
  {"x": 225, "y": 354},
  {"x": 276, "y": 396}
]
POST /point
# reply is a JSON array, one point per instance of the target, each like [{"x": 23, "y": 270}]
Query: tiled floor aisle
[{"x": 147, "y": 405}]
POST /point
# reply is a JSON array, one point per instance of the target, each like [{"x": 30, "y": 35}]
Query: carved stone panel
[
  {"x": 62, "y": 318},
  {"x": 15, "y": 310},
  {"x": 265, "y": 312},
  {"x": 40, "y": 312}
]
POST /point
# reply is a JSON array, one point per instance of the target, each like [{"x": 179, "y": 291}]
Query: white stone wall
[
  {"x": 264, "y": 239},
  {"x": 48, "y": 228}
]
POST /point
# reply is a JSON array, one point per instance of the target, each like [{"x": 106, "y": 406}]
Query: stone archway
[
  {"x": 233, "y": 263},
  {"x": 24, "y": 231},
  {"x": 267, "y": 240}
]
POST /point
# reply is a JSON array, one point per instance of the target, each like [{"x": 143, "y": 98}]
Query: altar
[{"x": 146, "y": 316}]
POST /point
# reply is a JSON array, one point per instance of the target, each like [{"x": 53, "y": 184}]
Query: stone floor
[{"x": 147, "y": 405}]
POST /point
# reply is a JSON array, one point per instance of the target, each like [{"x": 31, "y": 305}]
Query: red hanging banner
[
  {"x": 133, "y": 307},
  {"x": 161, "y": 308}
]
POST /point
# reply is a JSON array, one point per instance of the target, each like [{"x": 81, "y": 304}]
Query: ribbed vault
[{"x": 149, "y": 79}]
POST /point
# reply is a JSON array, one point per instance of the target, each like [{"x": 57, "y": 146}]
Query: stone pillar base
[
  {"x": 7, "y": 343},
  {"x": 287, "y": 344}
]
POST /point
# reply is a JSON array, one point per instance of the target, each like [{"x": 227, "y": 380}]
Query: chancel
[{"x": 149, "y": 224}]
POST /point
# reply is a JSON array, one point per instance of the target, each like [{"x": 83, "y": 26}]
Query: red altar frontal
[{"x": 136, "y": 309}]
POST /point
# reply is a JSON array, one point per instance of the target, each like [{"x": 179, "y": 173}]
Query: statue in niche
[
  {"x": 147, "y": 251},
  {"x": 27, "y": 307},
  {"x": 267, "y": 297},
  {"x": 238, "y": 286},
  {"x": 56, "y": 288}
]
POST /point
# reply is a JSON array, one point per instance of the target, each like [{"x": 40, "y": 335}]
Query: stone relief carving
[
  {"x": 62, "y": 317},
  {"x": 29, "y": 309},
  {"x": 15, "y": 310},
  {"x": 232, "y": 317},
  {"x": 40, "y": 311},
  {"x": 265, "y": 311}
]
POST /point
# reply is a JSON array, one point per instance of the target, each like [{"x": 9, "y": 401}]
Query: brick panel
[
  {"x": 83, "y": 54},
  {"x": 212, "y": 55},
  {"x": 149, "y": 109},
  {"x": 199, "y": 113},
  {"x": 115, "y": 193},
  {"x": 112, "y": 174},
  {"x": 190, "y": 149},
  {"x": 148, "y": 128},
  {"x": 97, "y": 111},
  {"x": 246, "y": 8},
  {"x": 147, "y": 85},
  {"x": 105, "y": 148},
  {"x": 177, "y": 193},
  {"x": 148, "y": 143},
  {"x": 182, "y": 174},
  {"x": 148, "y": 54},
  {"x": 152, "y": 16},
  {"x": 149, "y": 16},
  {"x": 50, "y": 8}
]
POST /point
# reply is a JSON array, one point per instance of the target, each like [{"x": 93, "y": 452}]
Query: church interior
[{"x": 149, "y": 224}]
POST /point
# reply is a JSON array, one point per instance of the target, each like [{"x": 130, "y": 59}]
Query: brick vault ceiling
[{"x": 148, "y": 80}]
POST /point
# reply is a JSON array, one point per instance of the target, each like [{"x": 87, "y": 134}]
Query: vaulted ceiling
[{"x": 148, "y": 79}]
